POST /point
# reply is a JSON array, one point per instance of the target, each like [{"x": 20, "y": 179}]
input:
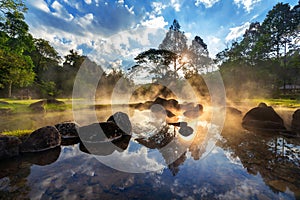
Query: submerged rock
[
  {"x": 122, "y": 121},
  {"x": 9, "y": 146},
  {"x": 194, "y": 112},
  {"x": 296, "y": 121},
  {"x": 68, "y": 129},
  {"x": 41, "y": 139},
  {"x": 263, "y": 117}
]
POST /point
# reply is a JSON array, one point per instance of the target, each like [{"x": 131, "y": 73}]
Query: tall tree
[
  {"x": 45, "y": 59},
  {"x": 175, "y": 40},
  {"x": 198, "y": 55},
  {"x": 15, "y": 70},
  {"x": 68, "y": 71},
  {"x": 17, "y": 67}
]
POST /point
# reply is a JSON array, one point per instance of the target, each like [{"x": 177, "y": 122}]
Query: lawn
[{"x": 13, "y": 106}]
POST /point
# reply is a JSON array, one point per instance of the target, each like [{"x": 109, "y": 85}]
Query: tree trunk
[{"x": 9, "y": 89}]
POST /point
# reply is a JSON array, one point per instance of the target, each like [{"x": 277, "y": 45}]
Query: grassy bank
[
  {"x": 289, "y": 103},
  {"x": 13, "y": 106}
]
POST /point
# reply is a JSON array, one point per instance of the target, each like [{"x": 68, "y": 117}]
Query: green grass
[
  {"x": 289, "y": 103},
  {"x": 22, "y": 106},
  {"x": 17, "y": 133}
]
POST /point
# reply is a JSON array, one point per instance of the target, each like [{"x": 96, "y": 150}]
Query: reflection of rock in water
[
  {"x": 105, "y": 148},
  {"x": 42, "y": 158},
  {"x": 13, "y": 179},
  {"x": 198, "y": 148},
  {"x": 275, "y": 158}
]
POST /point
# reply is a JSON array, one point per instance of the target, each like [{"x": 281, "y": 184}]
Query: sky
[{"x": 114, "y": 31}]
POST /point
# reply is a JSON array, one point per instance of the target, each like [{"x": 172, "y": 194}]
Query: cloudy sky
[{"x": 122, "y": 28}]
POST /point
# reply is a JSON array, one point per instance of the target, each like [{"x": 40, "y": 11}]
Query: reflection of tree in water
[
  {"x": 172, "y": 148},
  {"x": 13, "y": 179},
  {"x": 197, "y": 148},
  {"x": 174, "y": 167},
  {"x": 14, "y": 172},
  {"x": 274, "y": 157}
]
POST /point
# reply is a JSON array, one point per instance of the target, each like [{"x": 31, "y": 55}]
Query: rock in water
[
  {"x": 263, "y": 117},
  {"x": 100, "y": 132},
  {"x": 186, "y": 130},
  {"x": 9, "y": 146},
  {"x": 68, "y": 129},
  {"x": 167, "y": 104},
  {"x": 195, "y": 112},
  {"x": 296, "y": 121},
  {"x": 42, "y": 139},
  {"x": 122, "y": 121}
]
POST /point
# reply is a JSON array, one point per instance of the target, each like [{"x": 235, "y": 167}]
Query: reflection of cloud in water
[
  {"x": 133, "y": 162},
  {"x": 232, "y": 159},
  {"x": 250, "y": 188}
]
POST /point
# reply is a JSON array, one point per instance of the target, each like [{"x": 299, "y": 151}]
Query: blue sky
[{"x": 113, "y": 30}]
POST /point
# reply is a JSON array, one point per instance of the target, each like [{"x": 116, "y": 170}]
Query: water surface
[{"x": 230, "y": 164}]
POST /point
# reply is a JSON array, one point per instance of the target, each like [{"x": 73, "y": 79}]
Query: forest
[{"x": 264, "y": 62}]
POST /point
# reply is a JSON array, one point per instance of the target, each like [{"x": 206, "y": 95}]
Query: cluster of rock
[
  {"x": 265, "y": 118},
  {"x": 171, "y": 106},
  {"x": 49, "y": 137}
]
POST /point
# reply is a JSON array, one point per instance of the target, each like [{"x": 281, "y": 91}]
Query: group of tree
[
  {"x": 174, "y": 62},
  {"x": 32, "y": 63},
  {"x": 267, "y": 57}
]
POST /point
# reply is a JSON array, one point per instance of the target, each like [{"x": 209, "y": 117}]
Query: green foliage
[
  {"x": 267, "y": 56},
  {"x": 173, "y": 59},
  {"x": 11, "y": 6},
  {"x": 49, "y": 89}
]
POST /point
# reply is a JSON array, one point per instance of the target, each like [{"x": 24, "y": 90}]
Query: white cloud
[
  {"x": 39, "y": 4},
  {"x": 206, "y": 3},
  {"x": 155, "y": 22},
  {"x": 247, "y": 4},
  {"x": 61, "y": 12},
  {"x": 176, "y": 5},
  {"x": 85, "y": 20},
  {"x": 88, "y": 1},
  {"x": 254, "y": 17},
  {"x": 237, "y": 32},
  {"x": 158, "y": 7},
  {"x": 214, "y": 45}
]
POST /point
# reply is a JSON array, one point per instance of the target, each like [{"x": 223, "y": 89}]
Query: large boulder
[
  {"x": 100, "y": 132},
  {"x": 296, "y": 121},
  {"x": 9, "y": 146},
  {"x": 68, "y": 130},
  {"x": 41, "y": 139},
  {"x": 263, "y": 118},
  {"x": 38, "y": 106},
  {"x": 122, "y": 121}
]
